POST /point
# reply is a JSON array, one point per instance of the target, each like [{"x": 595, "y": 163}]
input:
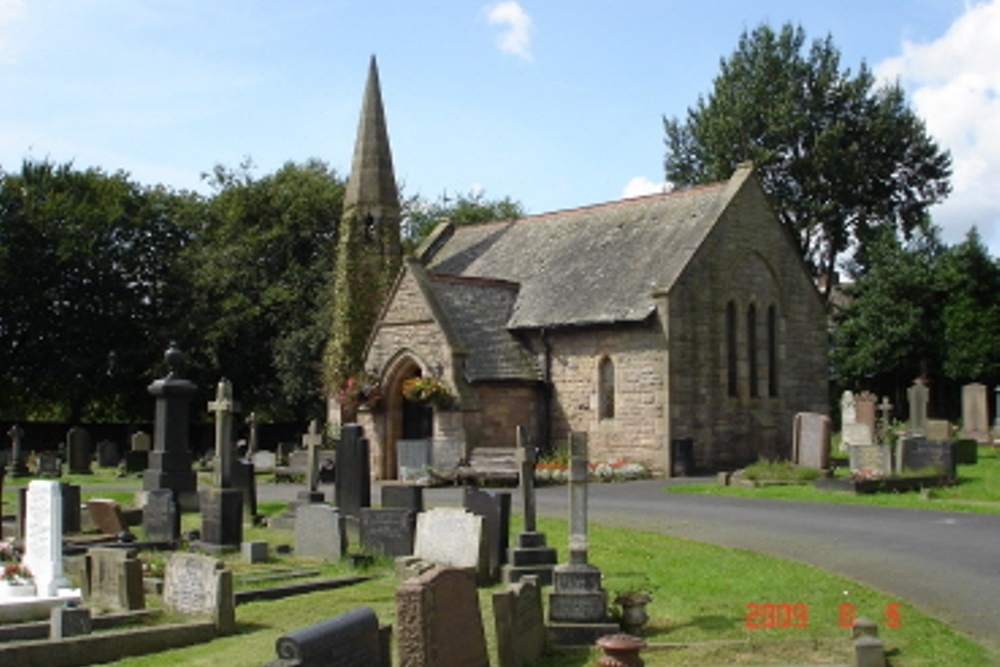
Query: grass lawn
[{"x": 978, "y": 490}]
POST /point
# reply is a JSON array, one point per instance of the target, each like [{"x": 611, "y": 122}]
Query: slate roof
[{"x": 595, "y": 265}]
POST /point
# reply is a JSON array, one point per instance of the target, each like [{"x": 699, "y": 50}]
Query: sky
[{"x": 554, "y": 103}]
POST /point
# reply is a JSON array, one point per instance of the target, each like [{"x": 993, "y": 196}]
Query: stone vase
[{"x": 633, "y": 606}]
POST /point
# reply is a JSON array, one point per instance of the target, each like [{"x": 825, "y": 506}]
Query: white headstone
[
  {"x": 43, "y": 537},
  {"x": 450, "y": 536}
]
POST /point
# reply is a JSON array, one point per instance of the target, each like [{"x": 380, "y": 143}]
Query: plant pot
[{"x": 634, "y": 616}]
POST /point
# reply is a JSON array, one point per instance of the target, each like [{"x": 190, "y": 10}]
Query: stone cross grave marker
[
  {"x": 918, "y": 395},
  {"x": 884, "y": 423},
  {"x": 253, "y": 443},
  {"x": 531, "y": 555},
  {"x": 224, "y": 408},
  {"x": 975, "y": 413},
  {"x": 43, "y": 537},
  {"x": 526, "y": 472},
  {"x": 312, "y": 441},
  {"x": 18, "y": 468}
]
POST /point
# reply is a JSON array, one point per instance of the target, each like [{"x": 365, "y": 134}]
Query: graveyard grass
[
  {"x": 701, "y": 601},
  {"x": 977, "y": 490}
]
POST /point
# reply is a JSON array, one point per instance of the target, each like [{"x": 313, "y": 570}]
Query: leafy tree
[
  {"x": 473, "y": 208},
  {"x": 841, "y": 157},
  {"x": 88, "y": 282},
  {"x": 262, "y": 267}
]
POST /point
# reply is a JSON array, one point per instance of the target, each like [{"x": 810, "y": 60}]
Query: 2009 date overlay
[{"x": 768, "y": 615}]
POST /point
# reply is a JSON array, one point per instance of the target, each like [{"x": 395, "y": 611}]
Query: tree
[
  {"x": 841, "y": 157},
  {"x": 262, "y": 267},
  {"x": 88, "y": 283},
  {"x": 422, "y": 216}
]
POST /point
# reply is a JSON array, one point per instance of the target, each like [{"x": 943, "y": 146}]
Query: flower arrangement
[
  {"x": 867, "y": 474},
  {"x": 426, "y": 389},
  {"x": 359, "y": 392},
  {"x": 619, "y": 470},
  {"x": 11, "y": 569}
]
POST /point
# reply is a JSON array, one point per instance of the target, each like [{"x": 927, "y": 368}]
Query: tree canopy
[
  {"x": 473, "y": 208},
  {"x": 841, "y": 156}
]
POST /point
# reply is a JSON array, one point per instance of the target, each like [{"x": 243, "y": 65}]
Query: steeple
[{"x": 371, "y": 187}]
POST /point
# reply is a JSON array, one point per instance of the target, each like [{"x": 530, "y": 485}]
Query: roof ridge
[{"x": 474, "y": 280}]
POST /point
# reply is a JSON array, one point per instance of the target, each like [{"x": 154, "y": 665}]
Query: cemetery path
[{"x": 945, "y": 563}]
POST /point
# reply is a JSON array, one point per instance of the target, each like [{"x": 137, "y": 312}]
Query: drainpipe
[{"x": 545, "y": 419}]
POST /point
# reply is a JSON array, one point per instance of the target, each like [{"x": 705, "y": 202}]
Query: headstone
[
  {"x": 114, "y": 578},
  {"x": 108, "y": 454},
  {"x": 519, "y": 623},
  {"x": 352, "y": 489},
  {"x": 388, "y": 531},
  {"x": 865, "y": 405},
  {"x": 312, "y": 442},
  {"x": 170, "y": 461},
  {"x": 870, "y": 461},
  {"x": 244, "y": 478},
  {"x": 446, "y": 454},
  {"x": 65, "y": 622},
  {"x": 451, "y": 537},
  {"x": 136, "y": 461},
  {"x": 71, "y": 508},
  {"x": 161, "y": 517},
  {"x": 848, "y": 408},
  {"x": 224, "y": 408},
  {"x": 49, "y": 464},
  {"x": 494, "y": 507},
  {"x": 253, "y": 439},
  {"x": 198, "y": 585},
  {"x": 531, "y": 555},
  {"x": 856, "y": 434},
  {"x": 413, "y": 460},
  {"x": 438, "y": 621},
  {"x": 578, "y": 604},
  {"x": 221, "y": 519},
  {"x": 319, "y": 532},
  {"x": 811, "y": 440},
  {"x": 264, "y": 461},
  {"x": 352, "y": 639},
  {"x": 79, "y": 451},
  {"x": 938, "y": 429},
  {"x": 107, "y": 516},
  {"x": 918, "y": 395},
  {"x": 141, "y": 442},
  {"x": 16, "y": 460},
  {"x": 255, "y": 552},
  {"x": 43, "y": 537},
  {"x": 975, "y": 413},
  {"x": 922, "y": 454},
  {"x": 405, "y": 496}
]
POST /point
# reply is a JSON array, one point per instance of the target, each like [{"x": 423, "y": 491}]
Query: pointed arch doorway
[{"x": 407, "y": 420}]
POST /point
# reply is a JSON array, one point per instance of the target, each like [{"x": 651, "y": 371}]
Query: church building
[{"x": 674, "y": 325}]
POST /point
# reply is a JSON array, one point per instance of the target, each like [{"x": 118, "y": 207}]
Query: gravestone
[
  {"x": 141, "y": 442},
  {"x": 975, "y": 413},
  {"x": 388, "y": 531},
  {"x": 16, "y": 459},
  {"x": 114, "y": 577},
  {"x": 108, "y": 455},
  {"x": 884, "y": 424},
  {"x": 414, "y": 460},
  {"x": 920, "y": 454},
  {"x": 811, "y": 440},
  {"x": 519, "y": 623},
  {"x": 161, "y": 517},
  {"x": 439, "y": 622},
  {"x": 43, "y": 554},
  {"x": 65, "y": 622},
  {"x": 531, "y": 555},
  {"x": 578, "y": 604},
  {"x": 253, "y": 437},
  {"x": 865, "y": 405},
  {"x": 198, "y": 585},
  {"x": 107, "y": 515},
  {"x": 352, "y": 488},
  {"x": 918, "y": 396},
  {"x": 405, "y": 496},
  {"x": 70, "y": 508},
  {"x": 319, "y": 532},
  {"x": 452, "y": 537},
  {"x": 938, "y": 429},
  {"x": 224, "y": 407},
  {"x": 852, "y": 432},
  {"x": 494, "y": 507},
  {"x": 446, "y": 454},
  {"x": 312, "y": 441},
  {"x": 136, "y": 461},
  {"x": 264, "y": 461},
  {"x": 352, "y": 639},
  {"x": 244, "y": 478},
  {"x": 79, "y": 451},
  {"x": 221, "y": 519},
  {"x": 49, "y": 464},
  {"x": 873, "y": 461},
  {"x": 170, "y": 461}
]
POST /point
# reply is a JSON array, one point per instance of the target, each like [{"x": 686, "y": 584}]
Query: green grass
[
  {"x": 701, "y": 597},
  {"x": 978, "y": 490}
]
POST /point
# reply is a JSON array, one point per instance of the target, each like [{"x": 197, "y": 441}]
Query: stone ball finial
[{"x": 175, "y": 360}]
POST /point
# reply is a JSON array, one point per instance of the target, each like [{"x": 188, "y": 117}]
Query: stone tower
[{"x": 368, "y": 246}]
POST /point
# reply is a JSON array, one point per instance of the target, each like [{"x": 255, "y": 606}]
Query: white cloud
[
  {"x": 516, "y": 38},
  {"x": 640, "y": 186},
  {"x": 10, "y": 11},
  {"x": 954, "y": 84}
]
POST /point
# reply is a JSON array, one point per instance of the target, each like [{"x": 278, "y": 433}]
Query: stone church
[{"x": 673, "y": 325}]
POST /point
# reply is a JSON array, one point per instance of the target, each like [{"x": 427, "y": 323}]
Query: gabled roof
[{"x": 594, "y": 265}]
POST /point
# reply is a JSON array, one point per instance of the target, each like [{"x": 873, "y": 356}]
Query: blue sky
[{"x": 555, "y": 103}]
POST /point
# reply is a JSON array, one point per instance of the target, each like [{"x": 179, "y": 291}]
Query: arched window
[
  {"x": 606, "y": 389},
  {"x": 752, "y": 349},
  {"x": 731, "y": 373},
  {"x": 772, "y": 351}
]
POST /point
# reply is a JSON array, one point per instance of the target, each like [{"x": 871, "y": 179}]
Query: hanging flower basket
[
  {"x": 358, "y": 392},
  {"x": 427, "y": 390}
]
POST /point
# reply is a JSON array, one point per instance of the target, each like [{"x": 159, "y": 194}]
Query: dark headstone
[
  {"x": 71, "y": 508},
  {"x": 405, "y": 496},
  {"x": 353, "y": 476},
  {"x": 520, "y": 624},
  {"x": 244, "y": 479},
  {"x": 49, "y": 464},
  {"x": 920, "y": 454},
  {"x": 65, "y": 622},
  {"x": 115, "y": 579},
  {"x": 136, "y": 461},
  {"x": 108, "y": 454},
  {"x": 494, "y": 507},
  {"x": 221, "y": 519},
  {"x": 388, "y": 531},
  {"x": 161, "y": 517},
  {"x": 79, "y": 451},
  {"x": 966, "y": 452},
  {"x": 352, "y": 639}
]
